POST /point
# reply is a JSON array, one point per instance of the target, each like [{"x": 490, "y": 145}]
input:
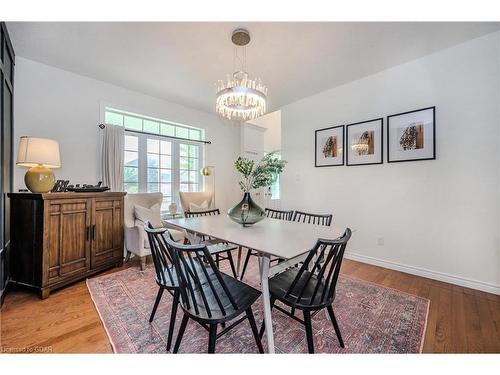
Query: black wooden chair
[
  {"x": 166, "y": 275},
  {"x": 319, "y": 219},
  {"x": 311, "y": 291},
  {"x": 212, "y": 212},
  {"x": 209, "y": 296},
  {"x": 215, "y": 246},
  {"x": 278, "y": 214},
  {"x": 272, "y": 214}
]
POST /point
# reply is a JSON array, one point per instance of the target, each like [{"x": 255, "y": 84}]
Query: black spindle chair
[
  {"x": 311, "y": 291},
  {"x": 309, "y": 218},
  {"x": 215, "y": 246},
  {"x": 272, "y": 214},
  {"x": 278, "y": 214},
  {"x": 209, "y": 296},
  {"x": 166, "y": 275},
  {"x": 319, "y": 219},
  {"x": 212, "y": 212}
]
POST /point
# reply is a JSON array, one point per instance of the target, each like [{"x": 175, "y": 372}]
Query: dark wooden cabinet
[
  {"x": 59, "y": 238},
  {"x": 6, "y": 126}
]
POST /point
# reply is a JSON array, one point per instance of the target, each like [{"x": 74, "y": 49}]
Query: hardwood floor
[{"x": 461, "y": 320}]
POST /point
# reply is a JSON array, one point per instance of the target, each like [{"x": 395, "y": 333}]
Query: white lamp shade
[{"x": 34, "y": 151}]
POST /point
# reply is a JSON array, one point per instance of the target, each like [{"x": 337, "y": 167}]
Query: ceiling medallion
[{"x": 238, "y": 97}]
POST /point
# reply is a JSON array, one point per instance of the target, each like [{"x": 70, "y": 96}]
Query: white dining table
[{"x": 269, "y": 237}]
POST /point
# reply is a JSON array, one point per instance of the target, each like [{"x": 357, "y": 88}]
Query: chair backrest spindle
[
  {"x": 279, "y": 214},
  {"x": 160, "y": 252},
  {"x": 317, "y": 219},
  {"x": 213, "y": 212}
]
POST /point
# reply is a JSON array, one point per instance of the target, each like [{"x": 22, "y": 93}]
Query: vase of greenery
[{"x": 254, "y": 176}]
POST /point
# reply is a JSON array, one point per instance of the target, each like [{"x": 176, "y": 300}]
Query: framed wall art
[
  {"x": 411, "y": 135},
  {"x": 364, "y": 144},
  {"x": 329, "y": 147}
]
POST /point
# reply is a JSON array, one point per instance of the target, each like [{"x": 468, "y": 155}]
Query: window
[
  {"x": 131, "y": 162},
  {"x": 189, "y": 166},
  {"x": 275, "y": 187},
  {"x": 159, "y": 169},
  {"x": 159, "y": 164}
]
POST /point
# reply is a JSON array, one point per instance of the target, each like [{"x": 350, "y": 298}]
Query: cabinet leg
[
  {"x": 44, "y": 293},
  {"x": 143, "y": 263}
]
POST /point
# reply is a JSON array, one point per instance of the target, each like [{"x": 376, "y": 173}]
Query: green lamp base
[{"x": 39, "y": 179}]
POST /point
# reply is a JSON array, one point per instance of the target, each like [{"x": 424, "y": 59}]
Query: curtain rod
[{"x": 102, "y": 126}]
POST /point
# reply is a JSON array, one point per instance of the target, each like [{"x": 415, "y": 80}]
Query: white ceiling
[{"x": 180, "y": 62}]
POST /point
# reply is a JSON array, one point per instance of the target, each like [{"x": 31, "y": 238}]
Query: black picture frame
[
  {"x": 316, "y": 146},
  {"x": 381, "y": 141},
  {"x": 433, "y": 157}
]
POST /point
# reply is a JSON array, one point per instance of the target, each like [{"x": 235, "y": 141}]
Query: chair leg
[
  {"x": 238, "y": 263},
  {"x": 263, "y": 326},
  {"x": 157, "y": 302},
  {"x": 182, "y": 328},
  {"x": 335, "y": 325},
  {"x": 309, "y": 333},
  {"x": 247, "y": 258},
  {"x": 173, "y": 314},
  {"x": 253, "y": 325},
  {"x": 217, "y": 260},
  {"x": 127, "y": 257},
  {"x": 231, "y": 263},
  {"x": 212, "y": 337}
]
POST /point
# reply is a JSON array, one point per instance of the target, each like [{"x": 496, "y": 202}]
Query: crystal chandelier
[{"x": 239, "y": 97}]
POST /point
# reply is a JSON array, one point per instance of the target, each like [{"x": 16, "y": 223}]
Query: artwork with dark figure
[
  {"x": 412, "y": 137},
  {"x": 365, "y": 143},
  {"x": 330, "y": 147}
]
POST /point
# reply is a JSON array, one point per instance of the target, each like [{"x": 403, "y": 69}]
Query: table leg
[
  {"x": 264, "y": 261},
  {"x": 238, "y": 264}
]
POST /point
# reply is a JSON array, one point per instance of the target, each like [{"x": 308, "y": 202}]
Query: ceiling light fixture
[{"x": 238, "y": 97}]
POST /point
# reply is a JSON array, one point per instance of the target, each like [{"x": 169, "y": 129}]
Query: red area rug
[{"x": 372, "y": 319}]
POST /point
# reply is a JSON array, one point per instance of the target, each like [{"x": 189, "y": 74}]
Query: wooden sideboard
[{"x": 60, "y": 238}]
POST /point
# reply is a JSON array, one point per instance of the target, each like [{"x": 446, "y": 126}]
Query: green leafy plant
[{"x": 264, "y": 174}]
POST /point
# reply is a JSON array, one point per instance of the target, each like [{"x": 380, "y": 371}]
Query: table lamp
[{"x": 41, "y": 155}]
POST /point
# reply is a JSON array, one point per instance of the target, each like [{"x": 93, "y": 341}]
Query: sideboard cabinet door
[
  {"x": 67, "y": 238},
  {"x": 107, "y": 231}
]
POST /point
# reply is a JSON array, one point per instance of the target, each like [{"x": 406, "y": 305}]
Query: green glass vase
[{"x": 246, "y": 212}]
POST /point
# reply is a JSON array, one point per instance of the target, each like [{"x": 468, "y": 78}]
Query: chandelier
[{"x": 239, "y": 97}]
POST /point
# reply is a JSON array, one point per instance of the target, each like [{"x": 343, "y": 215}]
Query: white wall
[
  {"x": 439, "y": 218},
  {"x": 272, "y": 136},
  {"x": 60, "y": 105}
]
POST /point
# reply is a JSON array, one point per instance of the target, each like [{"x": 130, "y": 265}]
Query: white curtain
[{"x": 113, "y": 138}]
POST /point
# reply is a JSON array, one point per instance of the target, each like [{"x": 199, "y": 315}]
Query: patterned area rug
[{"x": 372, "y": 319}]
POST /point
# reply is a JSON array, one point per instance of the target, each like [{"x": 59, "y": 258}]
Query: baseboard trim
[{"x": 435, "y": 275}]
